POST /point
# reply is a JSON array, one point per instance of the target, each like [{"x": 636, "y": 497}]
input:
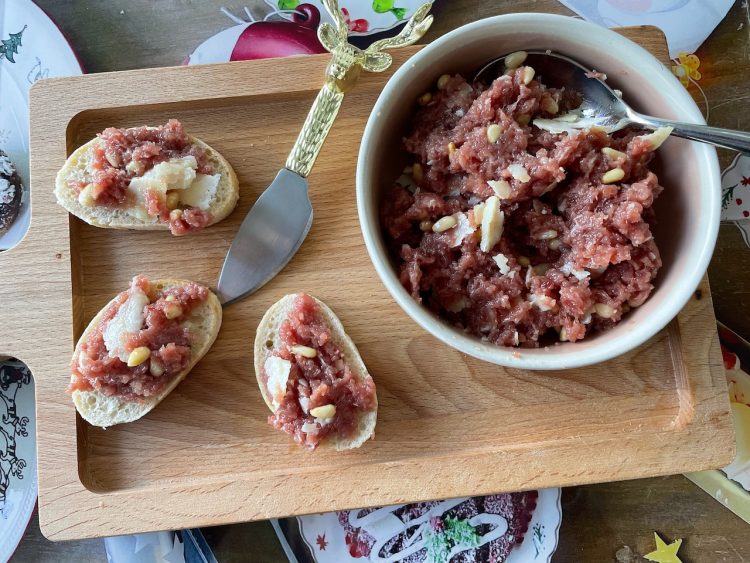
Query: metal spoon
[{"x": 601, "y": 106}]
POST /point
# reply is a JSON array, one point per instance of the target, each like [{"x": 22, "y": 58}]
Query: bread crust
[
  {"x": 268, "y": 330},
  {"x": 102, "y": 410},
  {"x": 75, "y": 168}
]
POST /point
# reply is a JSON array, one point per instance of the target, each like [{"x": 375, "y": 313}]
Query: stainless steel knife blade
[{"x": 270, "y": 235}]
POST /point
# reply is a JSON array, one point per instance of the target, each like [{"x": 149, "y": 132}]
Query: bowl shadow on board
[{"x": 669, "y": 208}]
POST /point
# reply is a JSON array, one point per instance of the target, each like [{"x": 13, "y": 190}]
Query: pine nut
[
  {"x": 444, "y": 224},
  {"x": 549, "y": 105},
  {"x": 613, "y": 153},
  {"x": 175, "y": 215},
  {"x": 172, "y": 311},
  {"x": 554, "y": 244},
  {"x": 528, "y": 74},
  {"x": 173, "y": 199},
  {"x": 417, "y": 172},
  {"x": 424, "y": 99},
  {"x": 324, "y": 411},
  {"x": 523, "y": 261},
  {"x": 612, "y": 176},
  {"x": 138, "y": 356},
  {"x": 494, "y": 132},
  {"x": 442, "y": 81},
  {"x": 523, "y": 119},
  {"x": 603, "y": 310},
  {"x": 451, "y": 147},
  {"x": 425, "y": 225},
  {"x": 547, "y": 235},
  {"x": 515, "y": 59},
  {"x": 304, "y": 351}
]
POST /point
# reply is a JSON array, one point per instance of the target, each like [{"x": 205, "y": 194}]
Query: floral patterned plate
[
  {"x": 443, "y": 538},
  {"x": 17, "y": 454},
  {"x": 735, "y": 194},
  {"x": 364, "y": 16},
  {"x": 289, "y": 27},
  {"x": 31, "y": 47}
]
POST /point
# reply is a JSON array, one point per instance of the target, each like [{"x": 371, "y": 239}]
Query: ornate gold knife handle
[
  {"x": 341, "y": 75},
  {"x": 314, "y": 131}
]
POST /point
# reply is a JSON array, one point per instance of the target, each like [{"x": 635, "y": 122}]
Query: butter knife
[{"x": 280, "y": 219}]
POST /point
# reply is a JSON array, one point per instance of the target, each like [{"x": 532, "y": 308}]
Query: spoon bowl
[{"x": 601, "y": 106}]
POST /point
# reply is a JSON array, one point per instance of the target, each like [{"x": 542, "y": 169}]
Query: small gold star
[{"x": 664, "y": 553}]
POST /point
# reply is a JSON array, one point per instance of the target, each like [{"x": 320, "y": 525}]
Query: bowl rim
[{"x": 547, "y": 358}]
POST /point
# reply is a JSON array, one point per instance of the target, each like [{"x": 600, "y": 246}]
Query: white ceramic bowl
[{"x": 687, "y": 211}]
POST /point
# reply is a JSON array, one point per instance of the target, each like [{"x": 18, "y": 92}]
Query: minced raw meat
[
  {"x": 94, "y": 368},
  {"x": 124, "y": 154},
  {"x": 575, "y": 250},
  {"x": 313, "y": 382}
]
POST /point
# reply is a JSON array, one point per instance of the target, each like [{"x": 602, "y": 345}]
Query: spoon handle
[{"x": 727, "y": 138}]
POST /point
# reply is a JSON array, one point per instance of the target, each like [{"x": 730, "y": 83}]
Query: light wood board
[{"x": 448, "y": 425}]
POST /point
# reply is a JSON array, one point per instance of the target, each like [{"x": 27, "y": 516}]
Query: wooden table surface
[{"x": 598, "y": 520}]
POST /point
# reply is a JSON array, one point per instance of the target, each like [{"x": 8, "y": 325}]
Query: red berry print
[
  {"x": 739, "y": 201},
  {"x": 745, "y": 181},
  {"x": 746, "y": 213},
  {"x": 730, "y": 360},
  {"x": 359, "y": 25},
  {"x": 321, "y": 541}
]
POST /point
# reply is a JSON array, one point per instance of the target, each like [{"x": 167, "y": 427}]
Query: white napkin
[
  {"x": 686, "y": 23},
  {"x": 154, "y": 547}
]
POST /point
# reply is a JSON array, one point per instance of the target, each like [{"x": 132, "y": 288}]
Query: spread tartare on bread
[
  {"x": 11, "y": 193},
  {"x": 148, "y": 178},
  {"x": 312, "y": 377},
  {"x": 140, "y": 346}
]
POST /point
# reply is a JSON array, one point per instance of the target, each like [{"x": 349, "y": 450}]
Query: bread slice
[
  {"x": 76, "y": 169},
  {"x": 268, "y": 332},
  {"x": 102, "y": 410}
]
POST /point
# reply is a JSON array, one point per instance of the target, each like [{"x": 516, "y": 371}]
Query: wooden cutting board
[{"x": 449, "y": 425}]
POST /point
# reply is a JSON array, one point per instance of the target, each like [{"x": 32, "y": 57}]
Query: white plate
[
  {"x": 538, "y": 545},
  {"x": 17, "y": 454},
  {"x": 43, "y": 52}
]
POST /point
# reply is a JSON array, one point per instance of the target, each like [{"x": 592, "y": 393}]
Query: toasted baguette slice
[
  {"x": 76, "y": 169},
  {"x": 102, "y": 410},
  {"x": 268, "y": 331}
]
